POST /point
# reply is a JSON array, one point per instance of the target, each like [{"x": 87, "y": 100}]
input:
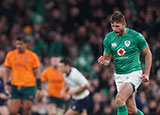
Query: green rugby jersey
[{"x": 125, "y": 50}]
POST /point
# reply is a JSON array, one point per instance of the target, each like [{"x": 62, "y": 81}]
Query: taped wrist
[{"x": 38, "y": 82}]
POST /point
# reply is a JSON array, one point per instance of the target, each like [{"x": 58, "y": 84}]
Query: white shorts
[{"x": 133, "y": 78}]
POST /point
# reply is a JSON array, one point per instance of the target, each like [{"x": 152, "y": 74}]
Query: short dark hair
[
  {"x": 118, "y": 16},
  {"x": 66, "y": 61},
  {"x": 21, "y": 39}
]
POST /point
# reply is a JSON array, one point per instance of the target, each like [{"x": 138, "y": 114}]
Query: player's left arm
[
  {"x": 8, "y": 71},
  {"x": 36, "y": 72},
  {"x": 148, "y": 62}
]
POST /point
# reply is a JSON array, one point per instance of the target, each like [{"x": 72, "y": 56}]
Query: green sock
[
  {"x": 122, "y": 110},
  {"x": 139, "y": 112}
]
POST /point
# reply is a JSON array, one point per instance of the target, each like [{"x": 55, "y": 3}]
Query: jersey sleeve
[
  {"x": 7, "y": 61},
  {"x": 36, "y": 62},
  {"x": 82, "y": 81},
  {"x": 141, "y": 42},
  {"x": 106, "y": 45}
]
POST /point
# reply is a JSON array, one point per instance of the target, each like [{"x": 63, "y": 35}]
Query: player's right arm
[
  {"x": 104, "y": 60},
  {"x": 8, "y": 73},
  {"x": 6, "y": 80},
  {"x": 8, "y": 69}
]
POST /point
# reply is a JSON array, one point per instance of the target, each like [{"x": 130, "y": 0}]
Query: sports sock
[
  {"x": 122, "y": 110},
  {"x": 139, "y": 112}
]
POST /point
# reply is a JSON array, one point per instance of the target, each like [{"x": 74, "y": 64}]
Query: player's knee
[{"x": 120, "y": 99}]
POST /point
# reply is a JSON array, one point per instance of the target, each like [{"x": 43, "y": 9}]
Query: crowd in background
[{"x": 76, "y": 29}]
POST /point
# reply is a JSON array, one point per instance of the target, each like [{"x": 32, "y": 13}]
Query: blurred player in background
[
  {"x": 77, "y": 86},
  {"x": 23, "y": 67},
  {"x": 55, "y": 80},
  {"x": 125, "y": 45}
]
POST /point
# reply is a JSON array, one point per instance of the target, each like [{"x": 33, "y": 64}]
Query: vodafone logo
[{"x": 121, "y": 52}]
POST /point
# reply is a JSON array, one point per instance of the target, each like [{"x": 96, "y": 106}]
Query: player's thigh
[
  {"x": 26, "y": 105},
  {"x": 14, "y": 105},
  {"x": 84, "y": 112},
  {"x": 4, "y": 110},
  {"x": 131, "y": 105},
  {"x": 71, "y": 112},
  {"x": 125, "y": 91}
]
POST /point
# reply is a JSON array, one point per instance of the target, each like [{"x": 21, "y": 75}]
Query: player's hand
[
  {"x": 103, "y": 61},
  {"x": 145, "y": 78},
  {"x": 38, "y": 93},
  {"x": 3, "y": 96},
  {"x": 71, "y": 92},
  {"x": 7, "y": 87},
  {"x": 67, "y": 97}
]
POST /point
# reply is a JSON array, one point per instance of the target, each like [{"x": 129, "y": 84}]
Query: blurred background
[{"x": 76, "y": 29}]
